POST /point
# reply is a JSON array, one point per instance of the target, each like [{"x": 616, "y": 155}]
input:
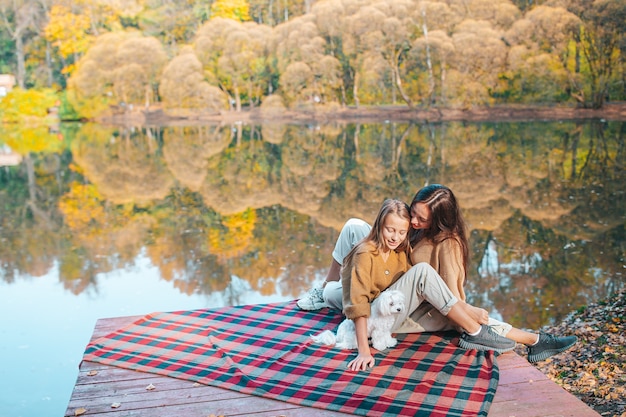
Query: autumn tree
[
  {"x": 307, "y": 73},
  {"x": 501, "y": 14},
  {"x": 81, "y": 206},
  {"x": 90, "y": 86},
  {"x": 231, "y": 9},
  {"x": 182, "y": 86},
  {"x": 391, "y": 33},
  {"x": 28, "y": 106},
  {"x": 140, "y": 61},
  {"x": 540, "y": 58},
  {"x": 72, "y": 27},
  {"x": 122, "y": 68},
  {"x": 187, "y": 149},
  {"x": 125, "y": 166},
  {"x": 433, "y": 47},
  {"x": 331, "y": 19},
  {"x": 480, "y": 56},
  {"x": 235, "y": 56},
  {"x": 274, "y": 12},
  {"x": 69, "y": 33},
  {"x": 436, "y": 49}
]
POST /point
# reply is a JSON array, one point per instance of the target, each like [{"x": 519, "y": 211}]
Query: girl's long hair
[
  {"x": 375, "y": 236},
  {"x": 446, "y": 219}
]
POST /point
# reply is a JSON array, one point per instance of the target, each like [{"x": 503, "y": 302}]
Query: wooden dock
[{"x": 523, "y": 391}]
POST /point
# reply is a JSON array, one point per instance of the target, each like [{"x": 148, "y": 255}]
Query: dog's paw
[
  {"x": 346, "y": 345},
  {"x": 384, "y": 344},
  {"x": 379, "y": 345}
]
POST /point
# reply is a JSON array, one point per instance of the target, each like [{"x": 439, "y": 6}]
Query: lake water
[{"x": 98, "y": 221}]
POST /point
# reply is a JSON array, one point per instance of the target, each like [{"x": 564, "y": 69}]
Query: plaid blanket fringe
[{"x": 266, "y": 350}]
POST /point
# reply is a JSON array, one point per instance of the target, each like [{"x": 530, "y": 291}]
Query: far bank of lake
[{"x": 155, "y": 115}]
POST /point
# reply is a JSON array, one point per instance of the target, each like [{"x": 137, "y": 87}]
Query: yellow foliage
[
  {"x": 27, "y": 105},
  {"x": 68, "y": 32},
  {"x": 31, "y": 139},
  {"x": 231, "y": 9},
  {"x": 81, "y": 205},
  {"x": 234, "y": 236}
]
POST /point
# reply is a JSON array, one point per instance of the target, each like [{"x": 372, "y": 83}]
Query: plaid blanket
[{"x": 266, "y": 350}]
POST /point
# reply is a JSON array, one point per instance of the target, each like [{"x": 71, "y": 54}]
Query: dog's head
[{"x": 390, "y": 302}]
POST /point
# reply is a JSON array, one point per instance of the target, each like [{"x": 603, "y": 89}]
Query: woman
[
  {"x": 380, "y": 261},
  {"x": 438, "y": 237}
]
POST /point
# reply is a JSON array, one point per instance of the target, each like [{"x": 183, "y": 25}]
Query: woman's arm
[
  {"x": 364, "y": 358},
  {"x": 451, "y": 269}
]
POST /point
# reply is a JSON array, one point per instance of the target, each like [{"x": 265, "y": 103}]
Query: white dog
[{"x": 379, "y": 324}]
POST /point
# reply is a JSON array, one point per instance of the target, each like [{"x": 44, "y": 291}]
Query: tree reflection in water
[{"x": 259, "y": 206}]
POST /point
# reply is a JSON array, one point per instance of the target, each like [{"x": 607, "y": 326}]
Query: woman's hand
[{"x": 361, "y": 362}]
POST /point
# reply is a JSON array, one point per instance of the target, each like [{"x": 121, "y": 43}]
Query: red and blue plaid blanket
[{"x": 266, "y": 350}]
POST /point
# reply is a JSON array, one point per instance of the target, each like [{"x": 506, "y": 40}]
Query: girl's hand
[
  {"x": 361, "y": 362},
  {"x": 364, "y": 359}
]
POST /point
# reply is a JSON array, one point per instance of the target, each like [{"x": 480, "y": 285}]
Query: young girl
[
  {"x": 438, "y": 237},
  {"x": 380, "y": 261}
]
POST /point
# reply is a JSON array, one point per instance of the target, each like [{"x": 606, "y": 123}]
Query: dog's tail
[{"x": 325, "y": 338}]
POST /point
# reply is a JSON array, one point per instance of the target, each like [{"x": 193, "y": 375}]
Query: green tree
[
  {"x": 174, "y": 23},
  {"x": 601, "y": 43},
  {"x": 20, "y": 18},
  {"x": 432, "y": 50}
]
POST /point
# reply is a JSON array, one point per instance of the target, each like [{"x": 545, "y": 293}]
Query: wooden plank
[
  {"x": 523, "y": 391},
  {"x": 171, "y": 397}
]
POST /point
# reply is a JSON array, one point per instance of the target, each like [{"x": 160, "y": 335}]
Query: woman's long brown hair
[{"x": 446, "y": 219}]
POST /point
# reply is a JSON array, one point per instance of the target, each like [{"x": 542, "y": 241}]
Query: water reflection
[{"x": 264, "y": 203}]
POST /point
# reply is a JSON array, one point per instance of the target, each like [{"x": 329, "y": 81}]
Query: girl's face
[
  {"x": 420, "y": 216},
  {"x": 394, "y": 231}
]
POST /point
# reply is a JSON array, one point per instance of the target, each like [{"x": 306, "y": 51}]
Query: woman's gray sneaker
[
  {"x": 486, "y": 340},
  {"x": 549, "y": 345}
]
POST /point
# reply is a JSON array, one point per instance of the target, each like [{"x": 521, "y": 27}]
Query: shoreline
[
  {"x": 519, "y": 113},
  {"x": 594, "y": 370}
]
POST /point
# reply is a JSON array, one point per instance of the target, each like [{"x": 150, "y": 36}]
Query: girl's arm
[{"x": 364, "y": 358}]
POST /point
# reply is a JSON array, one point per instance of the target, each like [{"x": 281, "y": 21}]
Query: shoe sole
[
  {"x": 468, "y": 345},
  {"x": 312, "y": 307},
  {"x": 547, "y": 353}
]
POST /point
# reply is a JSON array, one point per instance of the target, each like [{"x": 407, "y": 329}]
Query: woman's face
[{"x": 420, "y": 216}]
